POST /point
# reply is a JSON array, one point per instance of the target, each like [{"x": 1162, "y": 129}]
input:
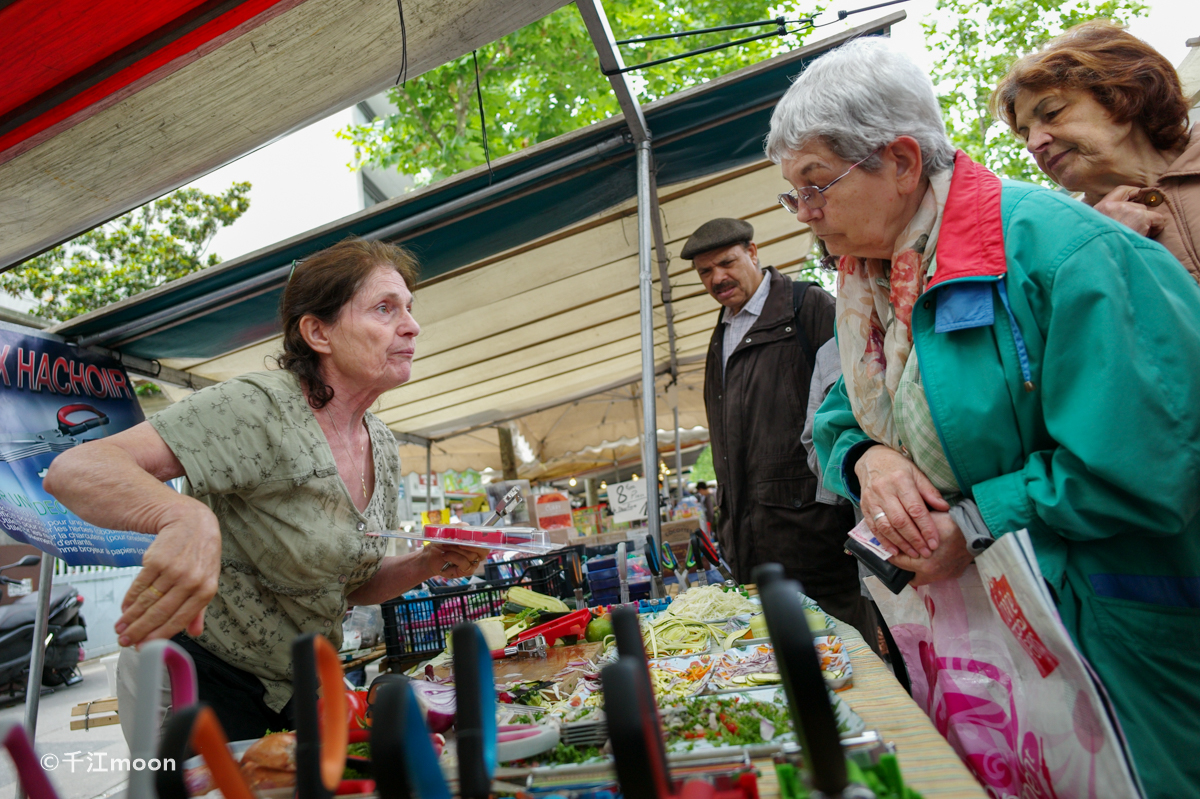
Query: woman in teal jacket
[{"x": 1010, "y": 352}]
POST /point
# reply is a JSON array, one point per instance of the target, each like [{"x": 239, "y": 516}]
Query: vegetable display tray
[{"x": 508, "y": 539}]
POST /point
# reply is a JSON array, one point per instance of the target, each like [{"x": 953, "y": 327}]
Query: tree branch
[{"x": 424, "y": 122}]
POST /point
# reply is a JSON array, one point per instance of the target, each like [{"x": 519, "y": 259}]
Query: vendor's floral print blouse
[{"x": 293, "y": 544}]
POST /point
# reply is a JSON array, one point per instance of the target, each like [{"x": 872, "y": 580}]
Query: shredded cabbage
[{"x": 710, "y": 603}]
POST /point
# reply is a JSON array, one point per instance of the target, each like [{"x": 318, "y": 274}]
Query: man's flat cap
[{"x": 717, "y": 233}]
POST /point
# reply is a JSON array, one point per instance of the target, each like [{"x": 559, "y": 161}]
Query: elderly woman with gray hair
[{"x": 1012, "y": 359}]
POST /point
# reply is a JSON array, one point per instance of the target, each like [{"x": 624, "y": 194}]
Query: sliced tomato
[{"x": 356, "y": 709}]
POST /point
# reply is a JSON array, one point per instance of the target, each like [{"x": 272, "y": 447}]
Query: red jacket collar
[{"x": 971, "y": 240}]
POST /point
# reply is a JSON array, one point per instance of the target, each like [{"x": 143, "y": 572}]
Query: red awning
[
  {"x": 107, "y": 104},
  {"x": 63, "y": 61}
]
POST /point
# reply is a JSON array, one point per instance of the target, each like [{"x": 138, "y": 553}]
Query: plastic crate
[
  {"x": 415, "y": 628},
  {"x": 609, "y": 596},
  {"x": 551, "y": 574}
]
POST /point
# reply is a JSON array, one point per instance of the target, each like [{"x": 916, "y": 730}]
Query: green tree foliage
[
  {"x": 703, "y": 468},
  {"x": 544, "y": 80},
  {"x": 159, "y": 242},
  {"x": 975, "y": 42}
]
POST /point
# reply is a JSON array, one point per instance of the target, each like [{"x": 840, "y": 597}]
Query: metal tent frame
[{"x": 122, "y": 328}]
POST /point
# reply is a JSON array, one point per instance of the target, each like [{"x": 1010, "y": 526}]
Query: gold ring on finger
[{"x": 157, "y": 594}]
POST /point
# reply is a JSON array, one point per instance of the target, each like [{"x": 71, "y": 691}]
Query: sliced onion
[{"x": 439, "y": 702}]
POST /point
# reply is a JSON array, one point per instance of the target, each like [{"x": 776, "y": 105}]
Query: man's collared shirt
[{"x": 739, "y": 324}]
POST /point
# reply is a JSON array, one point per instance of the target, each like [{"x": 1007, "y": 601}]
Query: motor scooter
[{"x": 65, "y": 633}]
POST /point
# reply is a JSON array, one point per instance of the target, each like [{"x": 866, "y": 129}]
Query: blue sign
[{"x": 54, "y": 397}]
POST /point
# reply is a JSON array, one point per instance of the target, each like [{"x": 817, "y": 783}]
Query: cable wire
[
  {"x": 487, "y": 155},
  {"x": 403, "y": 76},
  {"x": 782, "y": 28}
]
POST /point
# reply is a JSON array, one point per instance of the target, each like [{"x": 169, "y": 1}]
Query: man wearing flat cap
[{"x": 758, "y": 370}]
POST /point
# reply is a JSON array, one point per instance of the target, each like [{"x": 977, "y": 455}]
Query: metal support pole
[
  {"x": 646, "y": 296},
  {"x": 678, "y": 458},
  {"x": 429, "y": 477},
  {"x": 664, "y": 275},
  {"x": 33, "y": 688}
]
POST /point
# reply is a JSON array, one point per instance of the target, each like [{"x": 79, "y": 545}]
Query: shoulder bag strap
[{"x": 799, "y": 289}]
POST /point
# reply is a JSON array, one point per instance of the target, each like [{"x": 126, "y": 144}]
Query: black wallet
[{"x": 888, "y": 573}]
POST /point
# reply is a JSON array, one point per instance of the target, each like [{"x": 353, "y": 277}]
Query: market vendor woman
[{"x": 287, "y": 471}]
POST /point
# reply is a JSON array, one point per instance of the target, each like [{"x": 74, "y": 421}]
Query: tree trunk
[{"x": 508, "y": 458}]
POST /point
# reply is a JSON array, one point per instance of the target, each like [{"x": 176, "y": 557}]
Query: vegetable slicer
[
  {"x": 577, "y": 572},
  {"x": 694, "y": 560},
  {"x": 508, "y": 502},
  {"x": 534, "y": 647},
  {"x": 657, "y": 589},
  {"x": 709, "y": 549},
  {"x": 403, "y": 760},
  {"x": 476, "y": 718},
  {"x": 196, "y": 729},
  {"x": 623, "y": 572},
  {"x": 571, "y": 624},
  {"x": 630, "y": 647},
  {"x": 57, "y": 439},
  {"x": 812, "y": 715},
  {"x": 671, "y": 562},
  {"x": 31, "y": 776},
  {"x": 155, "y": 657},
  {"x": 823, "y": 768},
  {"x": 636, "y": 732},
  {"x": 320, "y": 743}
]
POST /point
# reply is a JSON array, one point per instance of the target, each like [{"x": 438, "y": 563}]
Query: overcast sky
[{"x": 1167, "y": 27}]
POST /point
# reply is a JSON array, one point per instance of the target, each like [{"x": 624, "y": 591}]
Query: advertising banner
[{"x": 54, "y": 397}]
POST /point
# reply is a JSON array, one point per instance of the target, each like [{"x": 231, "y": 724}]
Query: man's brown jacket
[{"x": 766, "y": 494}]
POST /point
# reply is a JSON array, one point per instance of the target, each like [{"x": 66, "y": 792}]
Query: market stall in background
[{"x": 603, "y": 645}]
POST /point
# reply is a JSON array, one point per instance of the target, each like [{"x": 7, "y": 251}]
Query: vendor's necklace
[{"x": 362, "y": 475}]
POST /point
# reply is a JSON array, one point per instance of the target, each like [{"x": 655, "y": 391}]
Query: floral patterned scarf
[{"x": 874, "y": 314}]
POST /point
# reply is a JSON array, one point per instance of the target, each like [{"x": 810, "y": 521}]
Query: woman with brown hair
[
  {"x": 287, "y": 471},
  {"x": 1104, "y": 114}
]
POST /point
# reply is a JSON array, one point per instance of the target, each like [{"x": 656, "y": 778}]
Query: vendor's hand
[
  {"x": 947, "y": 563},
  {"x": 895, "y": 499},
  {"x": 1119, "y": 204},
  {"x": 178, "y": 578},
  {"x": 451, "y": 560}
]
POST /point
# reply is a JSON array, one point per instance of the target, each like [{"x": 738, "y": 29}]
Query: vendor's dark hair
[
  {"x": 1131, "y": 79},
  {"x": 321, "y": 286}
]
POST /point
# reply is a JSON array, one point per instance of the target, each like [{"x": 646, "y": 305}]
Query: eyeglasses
[{"x": 813, "y": 196}]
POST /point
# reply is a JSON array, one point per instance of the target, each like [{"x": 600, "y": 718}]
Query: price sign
[{"x": 628, "y": 500}]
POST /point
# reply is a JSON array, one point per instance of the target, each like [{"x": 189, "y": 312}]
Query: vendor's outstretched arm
[
  {"x": 399, "y": 573},
  {"x": 117, "y": 483}
]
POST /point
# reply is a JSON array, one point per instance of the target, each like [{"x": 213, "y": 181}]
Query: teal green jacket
[{"x": 1060, "y": 354}]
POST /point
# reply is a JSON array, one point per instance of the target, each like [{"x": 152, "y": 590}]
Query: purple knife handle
[
  {"x": 182, "y": 671},
  {"x": 154, "y": 657},
  {"x": 29, "y": 769}
]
